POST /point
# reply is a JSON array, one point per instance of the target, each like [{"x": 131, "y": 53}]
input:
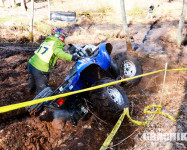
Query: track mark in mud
[
  {"x": 13, "y": 70},
  {"x": 148, "y": 32}
]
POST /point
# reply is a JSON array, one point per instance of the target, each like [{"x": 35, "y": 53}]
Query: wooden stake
[{"x": 163, "y": 84}]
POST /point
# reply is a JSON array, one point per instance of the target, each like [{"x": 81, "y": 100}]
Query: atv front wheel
[
  {"x": 109, "y": 101},
  {"x": 129, "y": 67}
]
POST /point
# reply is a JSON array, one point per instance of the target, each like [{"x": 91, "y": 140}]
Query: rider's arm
[{"x": 58, "y": 51}]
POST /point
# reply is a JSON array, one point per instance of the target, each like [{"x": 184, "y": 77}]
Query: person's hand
[{"x": 75, "y": 57}]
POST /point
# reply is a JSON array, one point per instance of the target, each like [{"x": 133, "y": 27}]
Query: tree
[
  {"x": 125, "y": 26},
  {"x": 23, "y": 5},
  {"x": 2, "y": 3},
  {"x": 181, "y": 23},
  {"x": 32, "y": 21}
]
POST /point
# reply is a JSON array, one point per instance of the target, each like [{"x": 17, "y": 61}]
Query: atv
[{"x": 95, "y": 67}]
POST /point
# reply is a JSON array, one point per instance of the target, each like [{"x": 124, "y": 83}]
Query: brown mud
[{"x": 18, "y": 130}]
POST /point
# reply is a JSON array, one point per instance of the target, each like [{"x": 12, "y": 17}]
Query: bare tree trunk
[
  {"x": 32, "y": 21},
  {"x": 13, "y": 3},
  {"x": 49, "y": 8},
  {"x": 181, "y": 23},
  {"x": 23, "y": 5},
  {"x": 2, "y": 3},
  {"x": 125, "y": 26}
]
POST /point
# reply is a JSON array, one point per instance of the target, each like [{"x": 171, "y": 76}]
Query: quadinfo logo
[{"x": 152, "y": 136}]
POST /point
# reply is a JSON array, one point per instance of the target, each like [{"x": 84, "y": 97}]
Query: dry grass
[{"x": 88, "y": 12}]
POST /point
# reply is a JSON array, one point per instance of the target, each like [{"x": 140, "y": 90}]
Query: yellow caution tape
[
  {"x": 32, "y": 102},
  {"x": 114, "y": 130},
  {"x": 139, "y": 123},
  {"x": 126, "y": 110},
  {"x": 158, "y": 111}
]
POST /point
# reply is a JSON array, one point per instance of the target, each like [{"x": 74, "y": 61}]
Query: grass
[
  {"x": 43, "y": 27},
  {"x": 20, "y": 24},
  {"x": 15, "y": 19},
  {"x": 31, "y": 37},
  {"x": 136, "y": 12}
]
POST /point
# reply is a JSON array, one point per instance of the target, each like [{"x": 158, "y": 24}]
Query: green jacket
[{"x": 47, "y": 54}]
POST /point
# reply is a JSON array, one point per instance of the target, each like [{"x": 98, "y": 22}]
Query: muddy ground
[{"x": 19, "y": 130}]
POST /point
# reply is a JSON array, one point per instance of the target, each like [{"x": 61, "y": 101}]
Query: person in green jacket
[{"x": 45, "y": 58}]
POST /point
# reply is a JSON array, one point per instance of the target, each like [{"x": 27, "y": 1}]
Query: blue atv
[{"x": 95, "y": 67}]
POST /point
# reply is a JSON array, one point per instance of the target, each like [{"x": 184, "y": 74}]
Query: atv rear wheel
[
  {"x": 109, "y": 101},
  {"x": 129, "y": 67},
  {"x": 44, "y": 93}
]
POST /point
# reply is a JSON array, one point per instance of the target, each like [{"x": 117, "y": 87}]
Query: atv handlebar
[
  {"x": 78, "y": 50},
  {"x": 72, "y": 48},
  {"x": 84, "y": 51}
]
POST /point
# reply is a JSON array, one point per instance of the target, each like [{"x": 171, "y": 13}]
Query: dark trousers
[{"x": 38, "y": 80}]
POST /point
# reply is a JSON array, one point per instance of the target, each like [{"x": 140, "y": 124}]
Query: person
[
  {"x": 150, "y": 12},
  {"x": 45, "y": 58}
]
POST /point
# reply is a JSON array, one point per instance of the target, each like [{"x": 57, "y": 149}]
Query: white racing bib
[{"x": 45, "y": 51}]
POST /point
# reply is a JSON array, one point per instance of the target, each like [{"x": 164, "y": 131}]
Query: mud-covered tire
[
  {"x": 44, "y": 93},
  {"x": 109, "y": 101},
  {"x": 129, "y": 67}
]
